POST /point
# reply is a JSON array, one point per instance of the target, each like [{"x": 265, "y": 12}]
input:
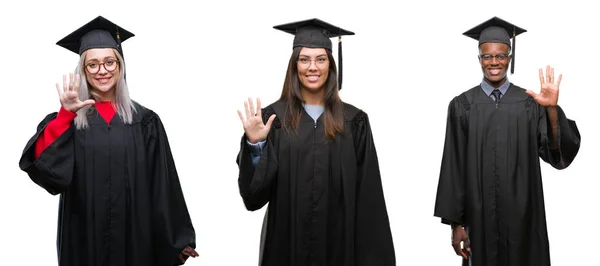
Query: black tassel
[
  {"x": 340, "y": 60},
  {"x": 512, "y": 64},
  {"x": 120, "y": 49},
  {"x": 119, "y": 43}
]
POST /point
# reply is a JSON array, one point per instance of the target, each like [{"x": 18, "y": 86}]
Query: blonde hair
[{"x": 122, "y": 103}]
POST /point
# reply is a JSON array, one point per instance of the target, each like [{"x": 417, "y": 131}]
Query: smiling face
[
  {"x": 102, "y": 70},
  {"x": 494, "y": 68},
  {"x": 313, "y": 69}
]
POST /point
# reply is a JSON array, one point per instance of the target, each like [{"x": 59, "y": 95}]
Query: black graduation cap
[
  {"x": 315, "y": 33},
  {"x": 98, "y": 33},
  {"x": 497, "y": 30}
]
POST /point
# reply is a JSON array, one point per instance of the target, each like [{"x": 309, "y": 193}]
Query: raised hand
[
  {"x": 256, "y": 130},
  {"x": 69, "y": 94},
  {"x": 548, "y": 95}
]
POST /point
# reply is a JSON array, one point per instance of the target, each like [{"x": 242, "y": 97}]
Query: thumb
[
  {"x": 88, "y": 102},
  {"x": 270, "y": 121},
  {"x": 531, "y": 93}
]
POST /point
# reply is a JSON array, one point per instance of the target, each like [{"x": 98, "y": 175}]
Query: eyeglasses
[
  {"x": 487, "y": 57},
  {"x": 110, "y": 65},
  {"x": 305, "y": 62}
]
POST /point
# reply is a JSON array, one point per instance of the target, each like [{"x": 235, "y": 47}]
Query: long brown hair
[{"x": 292, "y": 96}]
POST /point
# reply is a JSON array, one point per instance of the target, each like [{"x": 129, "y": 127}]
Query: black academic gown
[
  {"x": 490, "y": 178},
  {"x": 120, "y": 198},
  {"x": 326, "y": 202}
]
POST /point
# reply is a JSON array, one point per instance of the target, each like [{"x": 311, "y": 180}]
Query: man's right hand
[{"x": 460, "y": 235}]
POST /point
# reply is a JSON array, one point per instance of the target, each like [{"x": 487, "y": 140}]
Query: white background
[{"x": 195, "y": 66}]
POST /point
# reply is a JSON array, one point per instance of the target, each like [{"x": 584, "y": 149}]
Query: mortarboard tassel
[
  {"x": 512, "y": 65},
  {"x": 119, "y": 43},
  {"x": 340, "y": 59},
  {"x": 120, "y": 49}
]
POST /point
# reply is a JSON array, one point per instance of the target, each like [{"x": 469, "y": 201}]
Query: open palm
[
  {"x": 69, "y": 94},
  {"x": 548, "y": 95},
  {"x": 254, "y": 127}
]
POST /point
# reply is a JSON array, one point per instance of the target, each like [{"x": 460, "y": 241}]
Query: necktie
[{"x": 496, "y": 94}]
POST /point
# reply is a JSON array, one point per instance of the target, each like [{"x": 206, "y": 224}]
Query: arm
[
  {"x": 48, "y": 157},
  {"x": 552, "y": 114},
  {"x": 449, "y": 205},
  {"x": 257, "y": 172},
  {"x": 255, "y": 150},
  {"x": 54, "y": 129},
  {"x": 173, "y": 229},
  {"x": 257, "y": 164},
  {"x": 373, "y": 236},
  {"x": 559, "y": 138}
]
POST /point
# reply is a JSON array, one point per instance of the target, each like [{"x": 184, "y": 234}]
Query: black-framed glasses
[
  {"x": 110, "y": 65},
  {"x": 488, "y": 57}
]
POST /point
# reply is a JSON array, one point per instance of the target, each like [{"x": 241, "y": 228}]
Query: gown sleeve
[
  {"x": 568, "y": 139},
  {"x": 450, "y": 198},
  {"x": 54, "y": 129},
  {"x": 373, "y": 237},
  {"x": 256, "y": 181},
  {"x": 173, "y": 229},
  {"x": 48, "y": 157}
]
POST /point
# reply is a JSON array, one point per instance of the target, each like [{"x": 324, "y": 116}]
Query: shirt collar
[{"x": 487, "y": 88}]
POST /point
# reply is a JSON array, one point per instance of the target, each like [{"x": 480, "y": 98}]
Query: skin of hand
[{"x": 256, "y": 131}]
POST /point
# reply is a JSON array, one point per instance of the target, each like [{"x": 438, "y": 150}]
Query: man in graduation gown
[
  {"x": 121, "y": 201},
  {"x": 490, "y": 184}
]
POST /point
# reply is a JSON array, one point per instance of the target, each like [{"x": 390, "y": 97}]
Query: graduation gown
[
  {"x": 326, "y": 202},
  {"x": 120, "y": 198},
  {"x": 490, "y": 178}
]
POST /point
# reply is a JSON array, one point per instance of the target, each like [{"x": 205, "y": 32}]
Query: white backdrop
[{"x": 195, "y": 66}]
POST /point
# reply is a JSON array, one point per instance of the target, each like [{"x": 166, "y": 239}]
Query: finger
[
  {"x": 252, "y": 112},
  {"x": 248, "y": 115},
  {"x": 241, "y": 117},
  {"x": 547, "y": 73},
  {"x": 77, "y": 82},
  {"x": 559, "y": 79},
  {"x": 64, "y": 83},
  {"x": 541, "y": 77},
  {"x": 463, "y": 254},
  {"x": 70, "y": 81},
  {"x": 551, "y": 75},
  {"x": 531, "y": 93},
  {"x": 258, "y": 107},
  {"x": 270, "y": 121},
  {"x": 88, "y": 102},
  {"x": 457, "y": 248},
  {"x": 190, "y": 252},
  {"x": 468, "y": 246},
  {"x": 181, "y": 258},
  {"x": 462, "y": 250},
  {"x": 58, "y": 89}
]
